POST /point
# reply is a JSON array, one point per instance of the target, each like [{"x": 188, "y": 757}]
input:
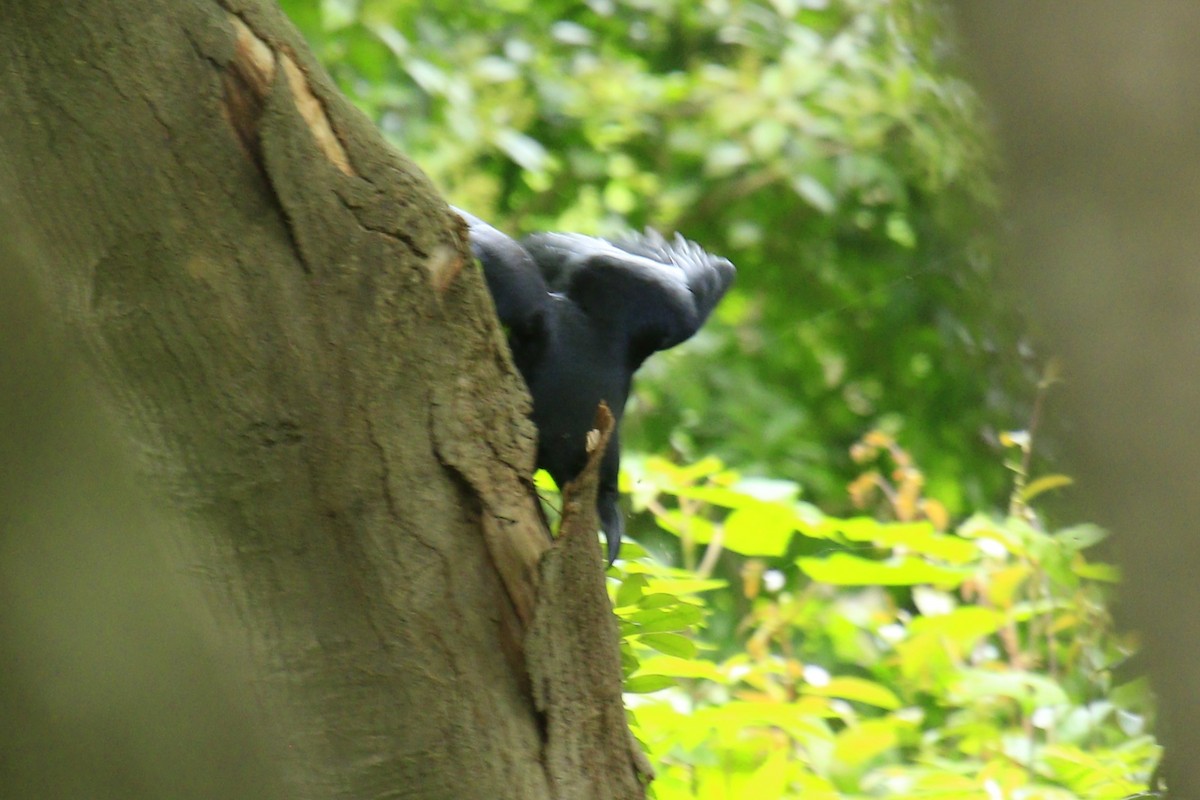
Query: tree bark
[{"x": 286, "y": 318}]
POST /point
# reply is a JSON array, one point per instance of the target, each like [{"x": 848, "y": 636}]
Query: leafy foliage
[
  {"x": 823, "y": 146},
  {"x": 878, "y": 658}
]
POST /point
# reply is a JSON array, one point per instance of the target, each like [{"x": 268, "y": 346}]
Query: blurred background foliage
[
  {"x": 948, "y": 643},
  {"x": 825, "y": 147}
]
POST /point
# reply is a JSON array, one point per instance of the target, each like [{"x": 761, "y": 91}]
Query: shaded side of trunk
[{"x": 1099, "y": 114}]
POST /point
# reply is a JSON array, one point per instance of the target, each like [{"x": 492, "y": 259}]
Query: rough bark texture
[
  {"x": 577, "y": 680},
  {"x": 1099, "y": 112},
  {"x": 285, "y": 313}
]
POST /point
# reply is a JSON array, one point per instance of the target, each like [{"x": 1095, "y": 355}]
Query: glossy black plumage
[{"x": 582, "y": 315}]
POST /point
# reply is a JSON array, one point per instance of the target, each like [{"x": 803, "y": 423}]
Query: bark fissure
[
  {"x": 385, "y": 476},
  {"x": 359, "y": 211}
]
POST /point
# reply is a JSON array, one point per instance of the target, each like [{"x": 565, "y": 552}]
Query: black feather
[{"x": 582, "y": 315}]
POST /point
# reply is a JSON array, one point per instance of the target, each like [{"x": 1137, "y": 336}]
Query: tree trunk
[
  {"x": 287, "y": 321},
  {"x": 1097, "y": 108}
]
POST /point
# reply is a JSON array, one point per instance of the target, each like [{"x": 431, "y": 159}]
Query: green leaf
[
  {"x": 677, "y": 522},
  {"x": 659, "y": 600},
  {"x": 769, "y": 490},
  {"x": 900, "y": 231},
  {"x": 630, "y": 591},
  {"x": 644, "y": 684},
  {"x": 629, "y": 660},
  {"x": 770, "y": 779},
  {"x": 860, "y": 743},
  {"x": 683, "y": 668},
  {"x": 716, "y": 496},
  {"x": 726, "y": 157},
  {"x": 843, "y": 569},
  {"x": 745, "y": 492},
  {"x": 760, "y": 529},
  {"x": 912, "y": 537},
  {"x": 1027, "y": 688},
  {"x": 982, "y": 527},
  {"x": 1106, "y": 573},
  {"x": 523, "y": 149},
  {"x": 686, "y": 586},
  {"x": 815, "y": 193},
  {"x": 543, "y": 482},
  {"x": 1081, "y": 537},
  {"x": 671, "y": 644},
  {"x": 677, "y": 582},
  {"x": 736, "y": 716},
  {"x": 962, "y": 625},
  {"x": 859, "y": 690},
  {"x": 1044, "y": 484},
  {"x": 678, "y": 618}
]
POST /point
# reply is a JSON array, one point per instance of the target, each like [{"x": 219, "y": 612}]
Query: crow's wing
[
  {"x": 517, "y": 286},
  {"x": 654, "y": 292}
]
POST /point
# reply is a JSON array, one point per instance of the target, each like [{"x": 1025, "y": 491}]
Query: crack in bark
[
  {"x": 359, "y": 210},
  {"x": 511, "y": 530},
  {"x": 386, "y": 471}
]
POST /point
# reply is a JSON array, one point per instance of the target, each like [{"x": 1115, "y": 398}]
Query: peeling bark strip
[
  {"x": 444, "y": 267},
  {"x": 247, "y": 82},
  {"x": 253, "y": 70},
  {"x": 512, "y": 525},
  {"x": 574, "y": 657},
  {"x": 249, "y": 77}
]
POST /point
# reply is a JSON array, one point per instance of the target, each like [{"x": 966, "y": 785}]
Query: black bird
[{"x": 582, "y": 314}]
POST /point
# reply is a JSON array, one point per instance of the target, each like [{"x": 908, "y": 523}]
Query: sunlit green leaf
[
  {"x": 769, "y": 779},
  {"x": 676, "y": 618},
  {"x": 760, "y": 529},
  {"x": 681, "y": 524},
  {"x": 658, "y": 600},
  {"x": 630, "y": 590},
  {"x": 679, "y": 667},
  {"x": 644, "y": 684},
  {"x": 671, "y": 644},
  {"x": 543, "y": 482},
  {"x": 963, "y": 625},
  {"x": 815, "y": 193},
  {"x": 860, "y": 743},
  {"x": 900, "y": 231},
  {"x": 1044, "y": 484},
  {"x": 859, "y": 690},
  {"x": 629, "y": 661},
  {"x": 846, "y": 570},
  {"x": 1029, "y": 689},
  {"x": 912, "y": 537},
  {"x": 523, "y": 149},
  {"x": 1108, "y": 573},
  {"x": 724, "y": 157}
]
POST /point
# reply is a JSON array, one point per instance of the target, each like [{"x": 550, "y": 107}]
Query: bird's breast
[{"x": 577, "y": 370}]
